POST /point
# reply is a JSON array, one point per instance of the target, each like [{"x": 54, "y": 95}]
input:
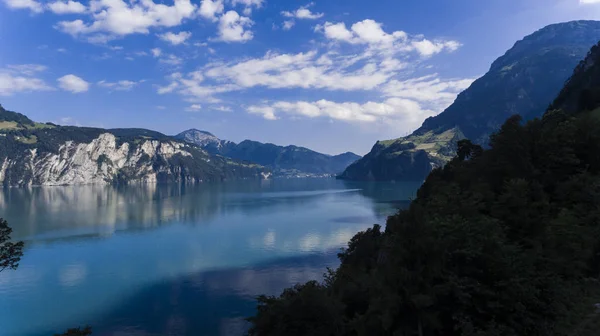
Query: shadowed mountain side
[{"x": 523, "y": 81}]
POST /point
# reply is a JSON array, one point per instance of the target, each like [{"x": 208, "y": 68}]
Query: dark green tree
[{"x": 10, "y": 252}]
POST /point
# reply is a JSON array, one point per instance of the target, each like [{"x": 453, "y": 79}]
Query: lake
[{"x": 175, "y": 259}]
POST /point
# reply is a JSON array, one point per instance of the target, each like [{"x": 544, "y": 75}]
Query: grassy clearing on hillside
[
  {"x": 8, "y": 125},
  {"x": 27, "y": 140}
]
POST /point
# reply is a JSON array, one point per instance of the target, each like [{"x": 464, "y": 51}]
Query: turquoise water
[{"x": 172, "y": 259}]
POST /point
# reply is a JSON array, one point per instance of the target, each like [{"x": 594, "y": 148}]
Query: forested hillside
[{"x": 503, "y": 241}]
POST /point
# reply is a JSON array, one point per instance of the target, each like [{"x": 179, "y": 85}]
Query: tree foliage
[
  {"x": 10, "y": 252},
  {"x": 504, "y": 241},
  {"x": 77, "y": 332}
]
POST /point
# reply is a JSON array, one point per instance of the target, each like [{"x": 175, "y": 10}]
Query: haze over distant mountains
[
  {"x": 523, "y": 81},
  {"x": 282, "y": 160}
]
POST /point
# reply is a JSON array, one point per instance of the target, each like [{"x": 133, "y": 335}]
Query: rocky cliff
[{"x": 47, "y": 154}]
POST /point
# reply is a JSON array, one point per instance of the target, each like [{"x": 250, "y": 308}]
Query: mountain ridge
[
  {"x": 523, "y": 81},
  {"x": 48, "y": 154},
  {"x": 290, "y": 160}
]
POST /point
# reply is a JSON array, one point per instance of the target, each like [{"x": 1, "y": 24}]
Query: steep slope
[
  {"x": 503, "y": 241},
  {"x": 288, "y": 161},
  {"x": 524, "y": 81},
  {"x": 47, "y": 154}
]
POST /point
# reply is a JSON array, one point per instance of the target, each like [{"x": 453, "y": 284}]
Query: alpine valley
[{"x": 524, "y": 81}]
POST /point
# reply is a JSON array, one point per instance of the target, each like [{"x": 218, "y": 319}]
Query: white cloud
[
  {"x": 116, "y": 18},
  {"x": 175, "y": 39},
  {"x": 27, "y": 69},
  {"x": 67, "y": 7},
  {"x": 288, "y": 24},
  {"x": 266, "y": 111},
  {"x": 371, "y": 33},
  {"x": 248, "y": 3},
  {"x": 73, "y": 84},
  {"x": 19, "y": 78},
  {"x": 32, "y": 5},
  {"x": 209, "y": 9},
  {"x": 221, "y": 108},
  {"x": 122, "y": 85},
  {"x": 303, "y": 13},
  {"x": 428, "y": 48},
  {"x": 303, "y": 70},
  {"x": 156, "y": 52},
  {"x": 393, "y": 110},
  {"x": 232, "y": 27},
  {"x": 431, "y": 90},
  {"x": 171, "y": 60},
  {"x": 194, "y": 108},
  {"x": 61, "y": 50},
  {"x": 588, "y": 2},
  {"x": 406, "y": 111}
]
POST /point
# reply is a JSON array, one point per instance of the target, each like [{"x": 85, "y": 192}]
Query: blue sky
[{"x": 331, "y": 75}]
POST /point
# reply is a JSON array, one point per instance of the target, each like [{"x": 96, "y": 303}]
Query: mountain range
[
  {"x": 34, "y": 153},
  {"x": 523, "y": 81},
  {"x": 282, "y": 160}
]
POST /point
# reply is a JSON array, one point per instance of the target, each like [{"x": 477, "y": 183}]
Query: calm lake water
[{"x": 172, "y": 259}]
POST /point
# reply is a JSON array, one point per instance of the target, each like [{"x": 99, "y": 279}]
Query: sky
[{"x": 330, "y": 75}]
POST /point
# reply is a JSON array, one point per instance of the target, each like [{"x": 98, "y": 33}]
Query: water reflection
[{"x": 106, "y": 256}]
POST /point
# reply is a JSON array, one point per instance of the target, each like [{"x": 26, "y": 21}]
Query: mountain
[
  {"x": 500, "y": 241},
  {"x": 523, "y": 81},
  {"x": 287, "y": 161},
  {"x": 47, "y": 154}
]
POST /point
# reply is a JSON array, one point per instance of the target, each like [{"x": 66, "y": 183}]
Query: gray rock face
[{"x": 97, "y": 162}]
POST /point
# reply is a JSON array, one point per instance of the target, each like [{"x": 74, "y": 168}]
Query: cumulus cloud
[
  {"x": 122, "y": 85},
  {"x": 232, "y": 27},
  {"x": 406, "y": 110},
  {"x": 156, "y": 52},
  {"x": 66, "y": 7},
  {"x": 288, "y": 24},
  {"x": 171, "y": 59},
  {"x": 194, "y": 108},
  {"x": 175, "y": 39},
  {"x": 371, "y": 33},
  {"x": 111, "y": 19},
  {"x": 73, "y": 83},
  {"x": 32, "y": 5},
  {"x": 209, "y": 9},
  {"x": 430, "y": 89},
  {"x": 303, "y": 13},
  {"x": 21, "y": 78},
  {"x": 303, "y": 70},
  {"x": 309, "y": 70}
]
